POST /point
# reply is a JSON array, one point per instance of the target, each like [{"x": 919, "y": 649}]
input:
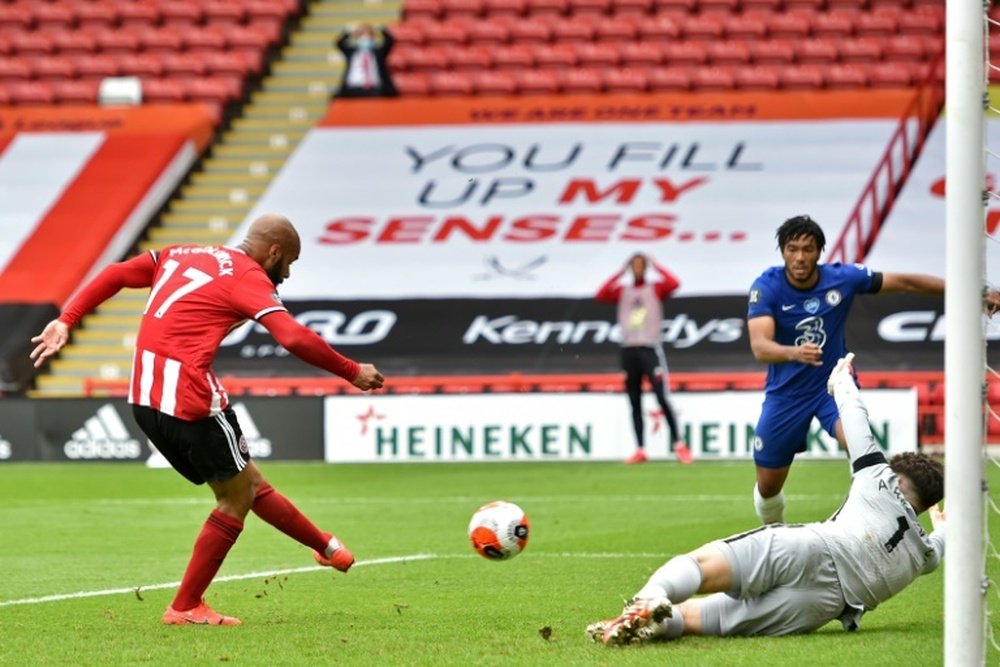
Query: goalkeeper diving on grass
[{"x": 783, "y": 579}]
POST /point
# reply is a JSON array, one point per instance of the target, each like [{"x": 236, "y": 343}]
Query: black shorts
[
  {"x": 638, "y": 362},
  {"x": 207, "y": 450}
]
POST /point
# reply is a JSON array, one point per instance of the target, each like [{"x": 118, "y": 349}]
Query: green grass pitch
[{"x": 598, "y": 530}]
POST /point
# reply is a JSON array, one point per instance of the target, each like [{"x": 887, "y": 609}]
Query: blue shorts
[{"x": 783, "y": 426}]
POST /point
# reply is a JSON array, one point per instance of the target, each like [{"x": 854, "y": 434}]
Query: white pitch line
[{"x": 298, "y": 570}]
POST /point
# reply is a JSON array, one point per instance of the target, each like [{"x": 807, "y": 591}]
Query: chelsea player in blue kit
[{"x": 796, "y": 319}]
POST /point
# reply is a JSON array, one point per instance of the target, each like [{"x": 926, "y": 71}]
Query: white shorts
[{"x": 784, "y": 582}]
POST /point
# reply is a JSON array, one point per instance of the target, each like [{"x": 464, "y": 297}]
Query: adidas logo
[
  {"x": 103, "y": 437},
  {"x": 260, "y": 447}
]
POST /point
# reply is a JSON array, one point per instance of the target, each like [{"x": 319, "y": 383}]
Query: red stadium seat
[
  {"x": 267, "y": 9},
  {"x": 811, "y": 6},
  {"x": 410, "y": 33},
  {"x": 845, "y": 76},
  {"x": 16, "y": 68},
  {"x": 217, "y": 11},
  {"x": 96, "y": 66},
  {"x": 494, "y": 83},
  {"x": 801, "y": 77},
  {"x": 660, "y": 27},
  {"x": 773, "y": 51},
  {"x": 53, "y": 67},
  {"x": 704, "y": 27},
  {"x": 183, "y": 65},
  {"x": 933, "y": 45},
  {"x": 181, "y": 12},
  {"x": 498, "y": 8},
  {"x": 640, "y": 54},
  {"x": 836, "y": 25},
  {"x": 713, "y": 78},
  {"x": 53, "y": 15},
  {"x": 31, "y": 43},
  {"x": 850, "y": 5},
  {"x": 117, "y": 40},
  {"x": 451, "y": 83},
  {"x": 16, "y": 17},
  {"x": 143, "y": 65},
  {"x": 529, "y": 31},
  {"x": 427, "y": 59},
  {"x": 74, "y": 41},
  {"x": 547, "y": 7},
  {"x": 581, "y": 80},
  {"x": 889, "y": 75},
  {"x": 414, "y": 10},
  {"x": 592, "y": 7},
  {"x": 573, "y": 30},
  {"x": 555, "y": 56},
  {"x": 870, "y": 24},
  {"x": 251, "y": 37},
  {"x": 725, "y": 8},
  {"x": 75, "y": 91},
  {"x": 140, "y": 14},
  {"x": 729, "y": 52},
  {"x": 616, "y": 29},
  {"x": 685, "y": 53},
  {"x": 792, "y": 26},
  {"x": 676, "y": 8},
  {"x": 537, "y": 82},
  {"x": 763, "y": 6},
  {"x": 445, "y": 33},
  {"x": 488, "y": 32},
  {"x": 758, "y": 77},
  {"x": 411, "y": 84},
  {"x": 31, "y": 92},
  {"x": 167, "y": 39},
  {"x": 597, "y": 55},
  {"x": 470, "y": 58},
  {"x": 860, "y": 50},
  {"x": 163, "y": 90},
  {"x": 920, "y": 23},
  {"x": 904, "y": 47},
  {"x": 640, "y": 8},
  {"x": 5, "y": 48},
  {"x": 515, "y": 56},
  {"x": 818, "y": 51},
  {"x": 626, "y": 80},
  {"x": 220, "y": 89},
  {"x": 4, "y": 94},
  {"x": 746, "y": 27},
  {"x": 96, "y": 13},
  {"x": 204, "y": 39},
  {"x": 670, "y": 79}
]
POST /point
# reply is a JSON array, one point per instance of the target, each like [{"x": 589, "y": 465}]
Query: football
[{"x": 499, "y": 530}]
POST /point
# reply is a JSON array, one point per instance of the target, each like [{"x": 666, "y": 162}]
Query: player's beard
[{"x": 274, "y": 273}]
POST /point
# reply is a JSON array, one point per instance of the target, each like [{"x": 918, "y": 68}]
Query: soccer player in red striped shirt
[{"x": 198, "y": 294}]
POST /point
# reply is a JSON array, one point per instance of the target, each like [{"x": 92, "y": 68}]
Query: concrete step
[
  {"x": 189, "y": 235},
  {"x": 244, "y": 166},
  {"x": 256, "y": 138},
  {"x": 238, "y": 193},
  {"x": 313, "y": 106},
  {"x": 108, "y": 370},
  {"x": 210, "y": 207},
  {"x": 218, "y": 221},
  {"x": 52, "y": 386},
  {"x": 96, "y": 353},
  {"x": 300, "y": 123},
  {"x": 121, "y": 337},
  {"x": 120, "y": 321}
]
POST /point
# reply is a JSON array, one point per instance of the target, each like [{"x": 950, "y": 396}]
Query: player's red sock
[
  {"x": 279, "y": 511},
  {"x": 217, "y": 537}
]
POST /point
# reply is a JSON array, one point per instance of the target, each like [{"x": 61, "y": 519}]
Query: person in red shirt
[
  {"x": 640, "y": 317},
  {"x": 198, "y": 294}
]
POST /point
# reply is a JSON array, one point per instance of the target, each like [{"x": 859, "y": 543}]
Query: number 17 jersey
[{"x": 198, "y": 294}]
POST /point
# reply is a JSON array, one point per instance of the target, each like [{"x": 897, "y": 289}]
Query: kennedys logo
[
  {"x": 366, "y": 328},
  {"x": 918, "y": 326},
  {"x": 681, "y": 331},
  {"x": 103, "y": 436},
  {"x": 260, "y": 447}
]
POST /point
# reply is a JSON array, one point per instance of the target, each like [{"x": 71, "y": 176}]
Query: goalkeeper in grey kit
[{"x": 794, "y": 578}]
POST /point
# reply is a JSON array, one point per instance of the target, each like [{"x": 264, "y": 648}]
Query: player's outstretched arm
[
  {"x": 308, "y": 346},
  {"x": 924, "y": 284},
  {"x": 136, "y": 272}
]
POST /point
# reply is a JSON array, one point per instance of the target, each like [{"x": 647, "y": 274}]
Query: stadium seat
[
  {"x": 450, "y": 84},
  {"x": 117, "y": 40},
  {"x": 53, "y": 67},
  {"x": 162, "y": 90},
  {"x": 860, "y": 50},
  {"x": 140, "y": 14},
  {"x": 839, "y": 77},
  {"x": 470, "y": 58},
  {"x": 143, "y": 65},
  {"x": 589, "y": 7},
  {"x": 31, "y": 92},
  {"x": 95, "y": 13},
  {"x": 669, "y": 79},
  {"x": 222, "y": 11},
  {"x": 31, "y": 43},
  {"x": 255, "y": 37},
  {"x": 53, "y": 15},
  {"x": 514, "y": 56},
  {"x": 494, "y": 83},
  {"x": 183, "y": 64},
  {"x": 920, "y": 23},
  {"x": 807, "y": 6},
  {"x": 555, "y": 56},
  {"x": 772, "y": 51},
  {"x": 746, "y": 27},
  {"x": 597, "y": 55},
  {"x": 790, "y": 26},
  {"x": 870, "y": 24},
  {"x": 75, "y": 91},
  {"x": 96, "y": 66},
  {"x": 573, "y": 30},
  {"x": 530, "y": 31},
  {"x": 616, "y": 29},
  {"x": 445, "y": 33},
  {"x": 415, "y": 10},
  {"x": 462, "y": 9},
  {"x": 181, "y": 13},
  {"x": 625, "y": 80},
  {"x": 713, "y": 79},
  {"x": 489, "y": 31},
  {"x": 729, "y": 52},
  {"x": 801, "y": 77},
  {"x": 413, "y": 84},
  {"x": 640, "y": 54},
  {"x": 763, "y": 6},
  {"x": 675, "y": 8},
  {"x": 5, "y": 48},
  {"x": 498, "y": 8},
  {"x": 168, "y": 39},
  {"x": 204, "y": 39},
  {"x": 757, "y": 77},
  {"x": 427, "y": 59},
  {"x": 232, "y": 62},
  {"x": 270, "y": 10},
  {"x": 15, "y": 68},
  {"x": 904, "y": 47},
  {"x": 850, "y": 5},
  {"x": 407, "y": 34},
  {"x": 723, "y": 8},
  {"x": 660, "y": 27},
  {"x": 708, "y": 27},
  {"x": 16, "y": 17},
  {"x": 685, "y": 53},
  {"x": 889, "y": 75},
  {"x": 817, "y": 51},
  {"x": 638, "y": 8},
  {"x": 73, "y": 42},
  {"x": 581, "y": 80},
  {"x": 547, "y": 7},
  {"x": 835, "y": 25},
  {"x": 531, "y": 81},
  {"x": 220, "y": 89}
]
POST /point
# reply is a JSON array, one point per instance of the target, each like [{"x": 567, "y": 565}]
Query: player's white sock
[
  {"x": 770, "y": 510},
  {"x": 678, "y": 579}
]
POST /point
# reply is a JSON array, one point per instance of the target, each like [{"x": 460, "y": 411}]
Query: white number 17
[{"x": 195, "y": 278}]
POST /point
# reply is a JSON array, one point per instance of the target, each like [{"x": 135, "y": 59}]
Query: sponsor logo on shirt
[{"x": 811, "y": 305}]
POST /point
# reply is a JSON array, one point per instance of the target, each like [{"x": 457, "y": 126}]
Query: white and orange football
[{"x": 499, "y": 530}]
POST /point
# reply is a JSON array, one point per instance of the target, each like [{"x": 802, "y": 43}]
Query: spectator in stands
[
  {"x": 198, "y": 295},
  {"x": 367, "y": 73},
  {"x": 778, "y": 579},
  {"x": 796, "y": 318},
  {"x": 640, "y": 317}
]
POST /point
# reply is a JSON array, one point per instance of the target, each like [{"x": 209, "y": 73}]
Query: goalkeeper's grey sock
[{"x": 678, "y": 579}]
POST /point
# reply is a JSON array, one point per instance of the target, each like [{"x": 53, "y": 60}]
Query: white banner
[
  {"x": 564, "y": 427},
  {"x": 531, "y": 210}
]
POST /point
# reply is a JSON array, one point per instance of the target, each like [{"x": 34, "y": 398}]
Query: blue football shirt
[{"x": 816, "y": 315}]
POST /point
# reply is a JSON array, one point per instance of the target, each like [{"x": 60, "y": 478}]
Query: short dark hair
[
  {"x": 925, "y": 474},
  {"x": 800, "y": 225}
]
